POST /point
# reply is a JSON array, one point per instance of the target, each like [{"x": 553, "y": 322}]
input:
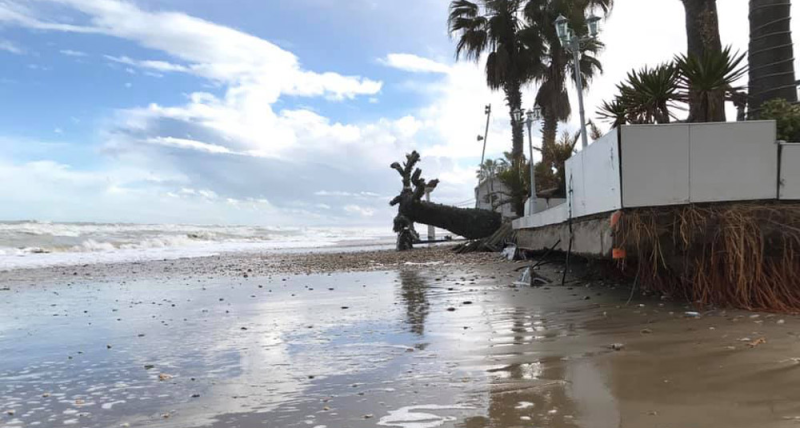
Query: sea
[{"x": 37, "y": 244}]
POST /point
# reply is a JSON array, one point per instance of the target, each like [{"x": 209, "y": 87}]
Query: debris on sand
[
  {"x": 759, "y": 341},
  {"x": 617, "y": 346},
  {"x": 163, "y": 377}
]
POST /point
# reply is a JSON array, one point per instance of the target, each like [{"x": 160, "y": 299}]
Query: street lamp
[
  {"x": 572, "y": 43},
  {"x": 488, "y": 112},
  {"x": 530, "y": 117}
]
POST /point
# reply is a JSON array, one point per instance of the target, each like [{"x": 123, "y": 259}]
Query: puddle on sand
[
  {"x": 350, "y": 349},
  {"x": 416, "y": 416}
]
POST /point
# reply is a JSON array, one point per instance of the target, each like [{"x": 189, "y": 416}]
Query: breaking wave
[{"x": 37, "y": 244}]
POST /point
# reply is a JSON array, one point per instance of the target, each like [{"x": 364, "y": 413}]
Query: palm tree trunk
[
  {"x": 514, "y": 99},
  {"x": 702, "y": 34},
  {"x": 771, "y": 54},
  {"x": 549, "y": 131}
]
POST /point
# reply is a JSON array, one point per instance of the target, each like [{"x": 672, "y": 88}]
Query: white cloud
[
  {"x": 9, "y": 46},
  {"x": 340, "y": 193},
  {"x": 414, "y": 63},
  {"x": 163, "y": 66},
  {"x": 212, "y": 51},
  {"x": 183, "y": 143},
  {"x": 241, "y": 141},
  {"x": 70, "y": 52},
  {"x": 362, "y": 211}
]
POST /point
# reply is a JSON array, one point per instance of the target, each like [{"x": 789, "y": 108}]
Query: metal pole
[
  {"x": 488, "y": 111},
  {"x": 431, "y": 229},
  {"x": 486, "y": 133},
  {"x": 533, "y": 175},
  {"x": 576, "y": 52}
]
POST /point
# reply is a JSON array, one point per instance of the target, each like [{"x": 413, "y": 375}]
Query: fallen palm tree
[
  {"x": 744, "y": 255},
  {"x": 469, "y": 223}
]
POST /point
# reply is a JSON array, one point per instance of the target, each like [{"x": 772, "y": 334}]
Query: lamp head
[
  {"x": 537, "y": 112},
  {"x": 517, "y": 115},
  {"x": 593, "y": 22},
  {"x": 562, "y": 28},
  {"x": 531, "y": 116}
]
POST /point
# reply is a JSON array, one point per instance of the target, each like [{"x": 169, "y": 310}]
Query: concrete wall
[
  {"x": 655, "y": 165},
  {"x": 593, "y": 175},
  {"x": 592, "y": 237},
  {"x": 733, "y": 161},
  {"x": 698, "y": 162},
  {"x": 675, "y": 164},
  {"x": 790, "y": 171}
]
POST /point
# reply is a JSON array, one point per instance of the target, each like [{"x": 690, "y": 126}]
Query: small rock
[
  {"x": 451, "y": 309},
  {"x": 164, "y": 376},
  {"x": 646, "y": 331},
  {"x": 148, "y": 366},
  {"x": 617, "y": 346}
]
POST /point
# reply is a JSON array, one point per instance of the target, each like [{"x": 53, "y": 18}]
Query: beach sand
[{"x": 347, "y": 340}]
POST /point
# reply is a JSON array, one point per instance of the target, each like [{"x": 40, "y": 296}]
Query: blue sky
[{"x": 260, "y": 112}]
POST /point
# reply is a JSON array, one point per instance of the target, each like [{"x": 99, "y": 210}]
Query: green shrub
[{"x": 787, "y": 115}]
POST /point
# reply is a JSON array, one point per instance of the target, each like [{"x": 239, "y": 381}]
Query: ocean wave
[{"x": 38, "y": 244}]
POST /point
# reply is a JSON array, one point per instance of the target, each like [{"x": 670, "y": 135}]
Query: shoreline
[{"x": 239, "y": 264}]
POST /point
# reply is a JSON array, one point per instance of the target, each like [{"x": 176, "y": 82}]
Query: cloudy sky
[{"x": 276, "y": 112}]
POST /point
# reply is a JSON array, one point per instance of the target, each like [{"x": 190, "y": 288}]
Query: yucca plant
[
  {"x": 614, "y": 111},
  {"x": 649, "y": 93},
  {"x": 707, "y": 79}
]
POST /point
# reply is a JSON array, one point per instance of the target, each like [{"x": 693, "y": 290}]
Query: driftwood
[{"x": 469, "y": 223}]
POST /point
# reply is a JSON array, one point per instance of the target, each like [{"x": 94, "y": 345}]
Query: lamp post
[
  {"x": 530, "y": 117},
  {"x": 572, "y": 43},
  {"x": 488, "y": 111}
]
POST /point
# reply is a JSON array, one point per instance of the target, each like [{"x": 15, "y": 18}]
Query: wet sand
[{"x": 417, "y": 340}]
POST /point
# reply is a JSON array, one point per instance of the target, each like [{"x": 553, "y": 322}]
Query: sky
[{"x": 265, "y": 112}]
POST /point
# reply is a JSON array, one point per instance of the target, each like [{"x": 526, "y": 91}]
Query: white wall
[
  {"x": 593, "y": 176},
  {"x": 599, "y": 190},
  {"x": 790, "y": 171},
  {"x": 676, "y": 164},
  {"x": 733, "y": 161},
  {"x": 699, "y": 162},
  {"x": 655, "y": 165}
]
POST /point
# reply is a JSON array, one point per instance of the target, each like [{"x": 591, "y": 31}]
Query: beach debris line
[{"x": 466, "y": 222}]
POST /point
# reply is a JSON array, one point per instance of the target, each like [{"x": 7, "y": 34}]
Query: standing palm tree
[
  {"x": 702, "y": 35},
  {"x": 552, "y": 96},
  {"x": 771, "y": 53},
  {"x": 496, "y": 27}
]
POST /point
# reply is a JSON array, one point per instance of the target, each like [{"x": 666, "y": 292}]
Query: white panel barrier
[
  {"x": 733, "y": 161},
  {"x": 658, "y": 165},
  {"x": 655, "y": 165},
  {"x": 790, "y": 171}
]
